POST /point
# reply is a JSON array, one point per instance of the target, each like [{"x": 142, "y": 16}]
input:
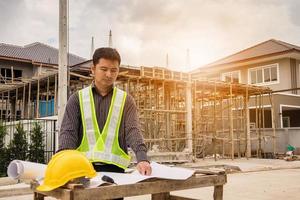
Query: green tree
[
  {"x": 36, "y": 146},
  {"x": 18, "y": 147},
  {"x": 3, "y": 150}
]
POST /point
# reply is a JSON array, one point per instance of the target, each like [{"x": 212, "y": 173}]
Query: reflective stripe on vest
[{"x": 99, "y": 146}]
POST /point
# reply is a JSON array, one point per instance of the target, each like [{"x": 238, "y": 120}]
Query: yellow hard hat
[{"x": 65, "y": 166}]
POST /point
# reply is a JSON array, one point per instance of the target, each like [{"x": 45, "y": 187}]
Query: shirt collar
[{"x": 94, "y": 88}]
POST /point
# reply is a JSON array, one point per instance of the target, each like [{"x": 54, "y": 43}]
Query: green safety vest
[{"x": 102, "y": 146}]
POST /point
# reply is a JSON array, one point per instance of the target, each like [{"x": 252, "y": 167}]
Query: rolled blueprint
[{"x": 24, "y": 170}]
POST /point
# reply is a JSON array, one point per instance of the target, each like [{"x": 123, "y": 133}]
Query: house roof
[
  {"x": 267, "y": 48},
  {"x": 36, "y": 52}
]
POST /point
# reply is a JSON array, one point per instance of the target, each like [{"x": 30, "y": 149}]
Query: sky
[{"x": 191, "y": 32}]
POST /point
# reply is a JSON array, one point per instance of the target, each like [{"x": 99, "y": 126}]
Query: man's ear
[{"x": 93, "y": 70}]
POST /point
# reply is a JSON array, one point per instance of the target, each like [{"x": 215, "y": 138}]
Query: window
[
  {"x": 264, "y": 75},
  {"x": 7, "y": 75},
  {"x": 233, "y": 77}
]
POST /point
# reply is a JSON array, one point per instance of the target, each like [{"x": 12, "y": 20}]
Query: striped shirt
[{"x": 71, "y": 130}]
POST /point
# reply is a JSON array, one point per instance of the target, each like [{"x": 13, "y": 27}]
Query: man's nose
[{"x": 108, "y": 73}]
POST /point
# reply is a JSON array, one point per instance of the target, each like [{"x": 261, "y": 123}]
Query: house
[
  {"x": 272, "y": 63},
  {"x": 21, "y": 65}
]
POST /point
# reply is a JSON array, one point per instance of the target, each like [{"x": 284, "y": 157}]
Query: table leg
[
  {"x": 161, "y": 196},
  {"x": 218, "y": 192},
  {"x": 37, "y": 196}
]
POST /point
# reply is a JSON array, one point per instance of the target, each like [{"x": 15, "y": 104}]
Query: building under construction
[{"x": 182, "y": 116}]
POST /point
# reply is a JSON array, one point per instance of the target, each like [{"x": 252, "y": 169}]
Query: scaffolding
[
  {"x": 180, "y": 116},
  {"x": 222, "y": 122}
]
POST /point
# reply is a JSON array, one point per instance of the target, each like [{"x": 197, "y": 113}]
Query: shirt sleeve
[
  {"x": 69, "y": 130},
  {"x": 133, "y": 133}
]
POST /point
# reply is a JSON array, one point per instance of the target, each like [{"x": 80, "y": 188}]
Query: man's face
[{"x": 105, "y": 72}]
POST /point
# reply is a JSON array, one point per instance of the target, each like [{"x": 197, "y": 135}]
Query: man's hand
[{"x": 144, "y": 168}]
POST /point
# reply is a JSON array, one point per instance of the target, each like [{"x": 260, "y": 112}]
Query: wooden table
[{"x": 158, "y": 188}]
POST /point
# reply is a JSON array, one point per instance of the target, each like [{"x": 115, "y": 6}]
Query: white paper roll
[{"x": 24, "y": 170}]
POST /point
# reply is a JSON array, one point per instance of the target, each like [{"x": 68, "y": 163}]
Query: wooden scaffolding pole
[
  {"x": 263, "y": 125},
  {"x": 273, "y": 122},
  {"x": 55, "y": 94},
  {"x": 15, "y": 106},
  {"x": 2, "y": 105},
  {"x": 37, "y": 99},
  {"x": 259, "y": 128},
  {"x": 231, "y": 123},
  {"x": 256, "y": 124},
  {"x": 23, "y": 102},
  {"x": 9, "y": 105},
  {"x": 248, "y": 136},
  {"x": 215, "y": 122},
  {"x": 47, "y": 96},
  {"x": 29, "y": 101}
]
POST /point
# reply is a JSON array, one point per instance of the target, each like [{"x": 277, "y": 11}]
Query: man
[{"x": 101, "y": 120}]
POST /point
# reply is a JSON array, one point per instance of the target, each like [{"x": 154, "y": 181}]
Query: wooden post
[
  {"x": 256, "y": 124},
  {"x": 8, "y": 106},
  {"x": 273, "y": 123},
  {"x": 218, "y": 192},
  {"x": 222, "y": 121},
  {"x": 202, "y": 119},
  {"x": 263, "y": 124},
  {"x": 168, "y": 118},
  {"x": 55, "y": 94},
  {"x": 248, "y": 137},
  {"x": 231, "y": 123},
  {"x": 16, "y": 103},
  {"x": 137, "y": 89},
  {"x": 37, "y": 99},
  {"x": 23, "y": 102},
  {"x": 47, "y": 96},
  {"x": 259, "y": 129},
  {"x": 160, "y": 196},
  {"x": 2, "y": 105},
  {"x": 38, "y": 196},
  {"x": 12, "y": 74},
  {"x": 29, "y": 101},
  {"x": 215, "y": 122}
]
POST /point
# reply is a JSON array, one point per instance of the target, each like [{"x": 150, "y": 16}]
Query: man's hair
[{"x": 107, "y": 53}]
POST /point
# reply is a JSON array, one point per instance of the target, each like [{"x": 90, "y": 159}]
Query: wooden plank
[
  {"x": 151, "y": 187},
  {"x": 59, "y": 193},
  {"x": 14, "y": 192}
]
